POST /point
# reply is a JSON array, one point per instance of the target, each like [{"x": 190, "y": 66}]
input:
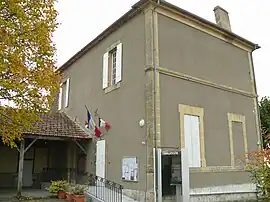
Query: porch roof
[{"x": 58, "y": 124}]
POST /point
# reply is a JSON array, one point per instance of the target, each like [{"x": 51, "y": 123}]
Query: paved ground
[
  {"x": 28, "y": 194},
  {"x": 35, "y": 200}
]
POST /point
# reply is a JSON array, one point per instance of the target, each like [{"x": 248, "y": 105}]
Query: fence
[{"x": 104, "y": 190}]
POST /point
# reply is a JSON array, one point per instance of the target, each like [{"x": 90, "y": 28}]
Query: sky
[{"x": 81, "y": 21}]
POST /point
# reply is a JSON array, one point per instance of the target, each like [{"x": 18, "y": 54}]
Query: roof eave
[
  {"x": 113, "y": 27},
  {"x": 252, "y": 45},
  {"x": 136, "y": 8}
]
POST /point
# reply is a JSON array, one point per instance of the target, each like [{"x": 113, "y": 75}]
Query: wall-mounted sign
[
  {"x": 171, "y": 153},
  {"x": 130, "y": 169}
]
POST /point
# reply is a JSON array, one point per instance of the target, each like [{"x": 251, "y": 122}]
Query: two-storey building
[{"x": 202, "y": 97}]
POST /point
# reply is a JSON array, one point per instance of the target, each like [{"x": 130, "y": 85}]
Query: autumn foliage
[
  {"x": 264, "y": 106},
  {"x": 28, "y": 81},
  {"x": 259, "y": 167}
]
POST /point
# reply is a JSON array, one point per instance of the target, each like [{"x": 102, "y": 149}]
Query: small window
[
  {"x": 64, "y": 94},
  {"x": 112, "y": 66}
]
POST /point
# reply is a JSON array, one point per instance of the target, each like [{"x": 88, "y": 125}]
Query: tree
[
  {"x": 28, "y": 80},
  {"x": 264, "y": 106}
]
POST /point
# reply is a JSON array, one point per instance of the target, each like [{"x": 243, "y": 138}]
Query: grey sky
[{"x": 81, "y": 21}]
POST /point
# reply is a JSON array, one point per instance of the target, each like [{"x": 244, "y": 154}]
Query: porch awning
[{"x": 58, "y": 124}]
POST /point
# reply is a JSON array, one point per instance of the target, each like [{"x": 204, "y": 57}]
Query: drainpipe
[
  {"x": 155, "y": 106},
  {"x": 255, "y": 86}
]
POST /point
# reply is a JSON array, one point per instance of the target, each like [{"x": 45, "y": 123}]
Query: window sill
[{"x": 112, "y": 88}]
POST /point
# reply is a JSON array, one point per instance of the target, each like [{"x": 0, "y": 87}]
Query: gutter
[{"x": 257, "y": 102}]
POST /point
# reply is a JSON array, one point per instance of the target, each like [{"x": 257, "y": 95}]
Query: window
[
  {"x": 112, "y": 66},
  {"x": 192, "y": 140},
  {"x": 192, "y": 134},
  {"x": 63, "y": 94}
]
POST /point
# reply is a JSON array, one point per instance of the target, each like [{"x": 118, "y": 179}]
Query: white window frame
[
  {"x": 60, "y": 97},
  {"x": 67, "y": 92},
  {"x": 66, "y": 96},
  {"x": 113, "y": 55},
  {"x": 116, "y": 77}
]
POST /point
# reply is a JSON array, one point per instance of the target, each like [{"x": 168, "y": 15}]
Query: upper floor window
[
  {"x": 112, "y": 66},
  {"x": 63, "y": 94}
]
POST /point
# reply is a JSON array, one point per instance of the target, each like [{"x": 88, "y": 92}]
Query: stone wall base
[
  {"x": 138, "y": 195},
  {"x": 241, "y": 192},
  {"x": 226, "y": 197},
  {"x": 224, "y": 193}
]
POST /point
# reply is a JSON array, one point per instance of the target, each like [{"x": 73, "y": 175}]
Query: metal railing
[{"x": 104, "y": 190}]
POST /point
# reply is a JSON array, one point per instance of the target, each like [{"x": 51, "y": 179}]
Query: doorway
[
  {"x": 28, "y": 165},
  {"x": 167, "y": 188},
  {"x": 28, "y": 173}
]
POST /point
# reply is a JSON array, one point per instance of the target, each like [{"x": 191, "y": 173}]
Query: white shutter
[
  {"x": 195, "y": 125},
  {"x": 60, "y": 98},
  {"x": 188, "y": 140},
  {"x": 100, "y": 158},
  {"x": 119, "y": 63},
  {"x": 67, "y": 92},
  {"x": 192, "y": 140},
  {"x": 105, "y": 70}
]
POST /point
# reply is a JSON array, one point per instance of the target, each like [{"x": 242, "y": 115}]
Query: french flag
[
  {"x": 90, "y": 124},
  {"x": 104, "y": 124}
]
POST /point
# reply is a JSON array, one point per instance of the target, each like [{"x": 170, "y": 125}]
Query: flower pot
[
  {"x": 79, "y": 198},
  {"x": 70, "y": 197},
  {"x": 61, "y": 195}
]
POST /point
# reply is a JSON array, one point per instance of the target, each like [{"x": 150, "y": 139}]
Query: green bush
[
  {"x": 79, "y": 189},
  {"x": 58, "y": 186}
]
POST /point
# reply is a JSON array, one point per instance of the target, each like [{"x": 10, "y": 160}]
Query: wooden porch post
[
  {"x": 20, "y": 171},
  {"x": 21, "y": 160}
]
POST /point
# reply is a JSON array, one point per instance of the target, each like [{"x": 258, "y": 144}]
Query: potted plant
[
  {"x": 70, "y": 193},
  {"x": 58, "y": 187},
  {"x": 78, "y": 191}
]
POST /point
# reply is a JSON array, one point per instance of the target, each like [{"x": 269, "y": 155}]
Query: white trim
[
  {"x": 105, "y": 70},
  {"x": 119, "y": 63},
  {"x": 159, "y": 182},
  {"x": 101, "y": 158},
  {"x": 60, "y": 98},
  {"x": 185, "y": 175},
  {"x": 67, "y": 92}
]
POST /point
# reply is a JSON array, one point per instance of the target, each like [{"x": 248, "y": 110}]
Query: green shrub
[
  {"x": 79, "y": 189},
  {"x": 58, "y": 186}
]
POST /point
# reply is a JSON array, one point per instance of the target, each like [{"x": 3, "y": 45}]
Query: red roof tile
[{"x": 58, "y": 124}]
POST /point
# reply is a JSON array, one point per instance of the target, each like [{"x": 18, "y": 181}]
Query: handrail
[
  {"x": 104, "y": 189},
  {"x": 97, "y": 187}
]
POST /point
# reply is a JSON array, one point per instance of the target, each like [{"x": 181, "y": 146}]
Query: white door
[
  {"x": 100, "y": 159},
  {"x": 27, "y": 173}
]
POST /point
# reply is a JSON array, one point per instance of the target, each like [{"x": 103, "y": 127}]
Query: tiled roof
[{"x": 58, "y": 124}]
